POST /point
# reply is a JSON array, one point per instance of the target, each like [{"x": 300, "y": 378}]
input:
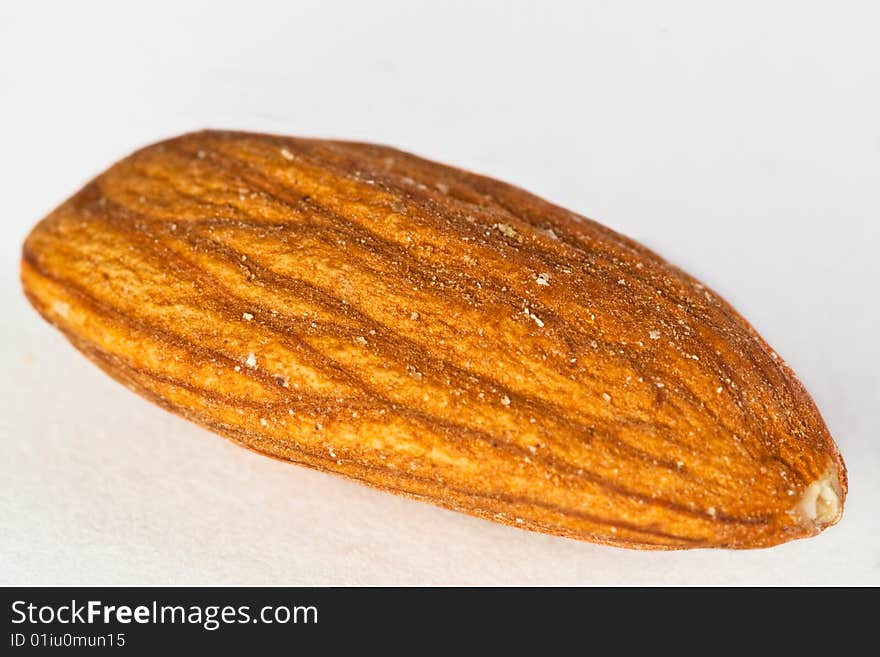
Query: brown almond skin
[{"x": 436, "y": 334}]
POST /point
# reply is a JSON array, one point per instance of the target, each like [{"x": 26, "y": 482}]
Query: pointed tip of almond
[{"x": 821, "y": 503}]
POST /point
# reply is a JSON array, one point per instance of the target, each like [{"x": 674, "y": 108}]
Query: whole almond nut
[{"x": 436, "y": 334}]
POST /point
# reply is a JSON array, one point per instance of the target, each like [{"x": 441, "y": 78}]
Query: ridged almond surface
[{"x": 436, "y": 334}]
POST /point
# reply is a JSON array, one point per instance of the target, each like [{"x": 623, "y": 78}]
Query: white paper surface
[{"x": 740, "y": 140}]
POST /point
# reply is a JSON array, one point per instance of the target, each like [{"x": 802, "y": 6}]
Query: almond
[{"x": 436, "y": 334}]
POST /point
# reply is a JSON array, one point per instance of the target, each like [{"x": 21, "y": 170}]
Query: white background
[{"x": 739, "y": 139}]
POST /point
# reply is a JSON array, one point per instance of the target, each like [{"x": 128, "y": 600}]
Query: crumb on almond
[{"x": 506, "y": 230}]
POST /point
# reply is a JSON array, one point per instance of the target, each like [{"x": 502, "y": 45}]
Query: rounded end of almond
[{"x": 821, "y": 503}]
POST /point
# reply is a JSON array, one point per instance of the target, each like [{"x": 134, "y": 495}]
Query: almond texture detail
[{"x": 436, "y": 334}]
